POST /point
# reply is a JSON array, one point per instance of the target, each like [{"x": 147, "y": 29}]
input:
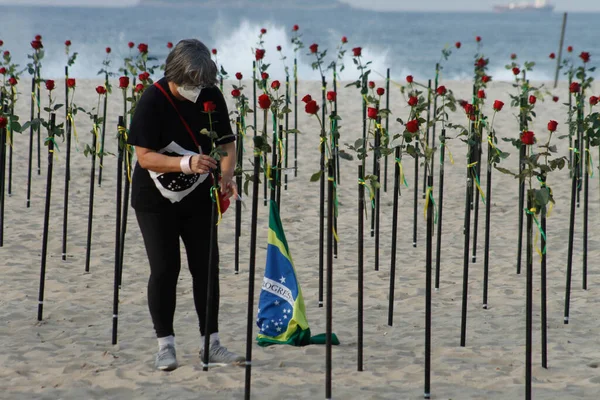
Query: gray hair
[{"x": 190, "y": 64}]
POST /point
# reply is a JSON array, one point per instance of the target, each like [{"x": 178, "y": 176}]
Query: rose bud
[
  {"x": 486, "y": 78},
  {"x": 3, "y": 122},
  {"x": 516, "y": 71},
  {"x": 555, "y": 99},
  {"x": 552, "y": 56},
  {"x": 575, "y": 87},
  {"x": 71, "y": 83},
  {"x": 236, "y": 93},
  {"x": 441, "y": 90},
  {"x": 371, "y": 85},
  {"x": 1, "y": 43},
  {"x": 481, "y": 63},
  {"x": 275, "y": 85},
  {"x": 139, "y": 88},
  {"x": 131, "y": 45},
  {"x": 458, "y": 44},
  {"x": 209, "y": 106},
  {"x": 264, "y": 76},
  {"x": 314, "y": 48},
  {"x": 278, "y": 48},
  {"x": 409, "y": 79},
  {"x": 513, "y": 56},
  {"x": 100, "y": 90},
  {"x": 38, "y": 37},
  {"x": 357, "y": 51},
  {"x": 532, "y": 99},
  {"x": 169, "y": 45},
  {"x": 372, "y": 112},
  {"x": 50, "y": 84},
  {"x": 552, "y": 125},
  {"x": 108, "y": 50},
  {"x": 585, "y": 56},
  {"x": 380, "y": 91},
  {"x": 307, "y": 98},
  {"x": 469, "y": 108},
  {"x": 124, "y": 82},
  {"x": 295, "y": 28},
  {"x": 331, "y": 95},
  {"x": 344, "y": 39},
  {"x": 570, "y": 49},
  {"x": 6, "y": 53},
  {"x": 478, "y": 39},
  {"x": 238, "y": 76},
  {"x": 143, "y": 48},
  {"x": 263, "y": 31},
  {"x": 214, "y": 51},
  {"x": 528, "y": 137},
  {"x": 144, "y": 76},
  {"x": 412, "y": 126},
  {"x": 311, "y": 107},
  {"x": 3, "y": 71},
  {"x": 259, "y": 54},
  {"x": 36, "y": 45},
  {"x": 12, "y": 81},
  {"x": 481, "y": 94},
  {"x": 413, "y": 101},
  {"x": 594, "y": 100},
  {"x": 498, "y": 105},
  {"x": 264, "y": 101},
  {"x": 67, "y": 43}
]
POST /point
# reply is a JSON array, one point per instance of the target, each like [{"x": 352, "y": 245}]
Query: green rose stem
[
  {"x": 251, "y": 271},
  {"x": 522, "y": 128},
  {"x": 50, "y": 142},
  {"x": 361, "y": 217},
  {"x": 69, "y": 115},
  {"x": 387, "y": 126},
  {"x": 102, "y": 137},
  {"x": 122, "y": 142},
  {"x": 295, "y": 116},
  {"x": 92, "y": 151},
  {"x": 31, "y": 129}
]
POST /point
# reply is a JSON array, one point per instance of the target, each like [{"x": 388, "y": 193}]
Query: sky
[{"x": 421, "y": 5}]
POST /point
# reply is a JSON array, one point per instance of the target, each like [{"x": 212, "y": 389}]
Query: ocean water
[{"x": 407, "y": 43}]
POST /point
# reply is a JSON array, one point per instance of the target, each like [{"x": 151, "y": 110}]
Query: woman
[{"x": 171, "y": 189}]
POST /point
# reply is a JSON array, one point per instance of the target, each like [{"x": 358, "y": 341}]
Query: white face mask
[{"x": 190, "y": 93}]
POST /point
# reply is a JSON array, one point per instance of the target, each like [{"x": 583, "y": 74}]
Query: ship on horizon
[{"x": 538, "y": 6}]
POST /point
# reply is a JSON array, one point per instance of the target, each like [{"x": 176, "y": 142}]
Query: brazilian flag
[{"x": 281, "y": 311}]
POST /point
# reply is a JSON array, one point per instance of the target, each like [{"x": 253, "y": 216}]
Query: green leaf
[{"x": 316, "y": 176}]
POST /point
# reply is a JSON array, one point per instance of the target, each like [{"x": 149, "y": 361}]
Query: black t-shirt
[{"x": 157, "y": 126}]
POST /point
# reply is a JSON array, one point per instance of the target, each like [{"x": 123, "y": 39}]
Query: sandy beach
[{"x": 69, "y": 354}]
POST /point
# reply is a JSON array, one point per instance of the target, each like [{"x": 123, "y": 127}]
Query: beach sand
[{"x": 69, "y": 354}]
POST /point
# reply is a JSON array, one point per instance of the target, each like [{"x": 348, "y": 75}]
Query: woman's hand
[
  {"x": 228, "y": 188},
  {"x": 202, "y": 164}
]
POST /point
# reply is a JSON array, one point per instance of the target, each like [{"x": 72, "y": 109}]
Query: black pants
[{"x": 161, "y": 232}]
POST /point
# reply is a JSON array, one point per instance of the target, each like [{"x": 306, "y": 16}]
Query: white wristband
[{"x": 185, "y": 165}]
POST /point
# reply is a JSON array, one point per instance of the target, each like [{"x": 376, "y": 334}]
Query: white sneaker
[{"x": 166, "y": 359}]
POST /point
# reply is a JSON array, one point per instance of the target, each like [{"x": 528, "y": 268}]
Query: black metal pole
[
  {"x": 321, "y": 216},
  {"x": 571, "y": 235},
  {"x": 101, "y": 167},
  {"x": 329, "y": 307},
  {"x": 478, "y": 153},
  {"x": 428, "y": 266},
  {"x": 91, "y": 202},
  {"x": 397, "y": 184},
  {"x": 267, "y": 181},
  {"x": 3, "y": 132},
  {"x": 30, "y": 164},
  {"x": 560, "y": 48},
  {"x": 11, "y": 137},
  {"x": 543, "y": 290},
  {"x": 336, "y": 141},
  {"x": 128, "y": 160},
  {"x": 438, "y": 249},
  {"x": 287, "y": 127},
  {"x": 488, "y": 210},
  {"x": 586, "y": 181},
  {"x": 251, "y": 273},
  {"x": 39, "y": 143},
  {"x": 295, "y": 117},
  {"x": 426, "y": 171},
  {"x": 274, "y": 161},
  {"x": 212, "y": 271},
  {"x": 66, "y": 190},
  {"x": 46, "y": 218},
  {"x": 416, "y": 197},
  {"x": 377, "y": 172},
  {"x": 529, "y": 301},
  {"x": 523, "y": 127},
  {"x": 238, "y": 203},
  {"x": 361, "y": 208},
  {"x": 121, "y": 149},
  {"x": 467, "y": 233},
  {"x": 387, "y": 127},
  {"x": 254, "y": 95},
  {"x": 279, "y": 171}
]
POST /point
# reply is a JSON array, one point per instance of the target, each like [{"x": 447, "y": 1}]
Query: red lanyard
[{"x": 187, "y": 127}]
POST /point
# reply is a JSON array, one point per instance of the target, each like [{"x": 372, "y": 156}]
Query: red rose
[
  {"x": 307, "y": 98},
  {"x": 3, "y": 122},
  {"x": 570, "y": 49},
  {"x": 100, "y": 90},
  {"x": 552, "y": 56},
  {"x": 585, "y": 56},
  {"x": 264, "y": 76},
  {"x": 236, "y": 93},
  {"x": 169, "y": 45},
  {"x": 413, "y": 101},
  {"x": 144, "y": 76},
  {"x": 139, "y": 88},
  {"x": 1, "y": 43},
  {"x": 371, "y": 85},
  {"x": 3, "y": 71},
  {"x": 50, "y": 84},
  {"x": 108, "y": 50},
  {"x": 409, "y": 79},
  {"x": 594, "y": 100},
  {"x": 6, "y": 53},
  {"x": 295, "y": 28},
  {"x": 71, "y": 83},
  {"x": 12, "y": 81},
  {"x": 481, "y": 94},
  {"x": 532, "y": 99},
  {"x": 331, "y": 95},
  {"x": 462, "y": 103},
  {"x": 478, "y": 39},
  {"x": 38, "y": 37},
  {"x": 124, "y": 82},
  {"x": 314, "y": 48},
  {"x": 441, "y": 90},
  {"x": 36, "y": 44},
  {"x": 143, "y": 48},
  {"x": 486, "y": 78},
  {"x": 498, "y": 105},
  {"x": 552, "y": 125},
  {"x": 372, "y": 112},
  {"x": 259, "y": 54},
  {"x": 555, "y": 99},
  {"x": 481, "y": 62},
  {"x": 528, "y": 137},
  {"x": 575, "y": 87},
  {"x": 278, "y": 48},
  {"x": 513, "y": 56},
  {"x": 238, "y": 76},
  {"x": 412, "y": 126},
  {"x": 263, "y": 31},
  {"x": 311, "y": 107},
  {"x": 264, "y": 101},
  {"x": 469, "y": 109},
  {"x": 131, "y": 45},
  {"x": 275, "y": 85},
  {"x": 516, "y": 71},
  {"x": 357, "y": 51},
  {"x": 458, "y": 44},
  {"x": 344, "y": 39},
  {"x": 209, "y": 106},
  {"x": 214, "y": 51},
  {"x": 67, "y": 43},
  {"x": 380, "y": 91}
]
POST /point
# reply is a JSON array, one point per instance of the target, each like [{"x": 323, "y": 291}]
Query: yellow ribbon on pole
[
  {"x": 215, "y": 191},
  {"x": 72, "y": 120},
  {"x": 476, "y": 180}
]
